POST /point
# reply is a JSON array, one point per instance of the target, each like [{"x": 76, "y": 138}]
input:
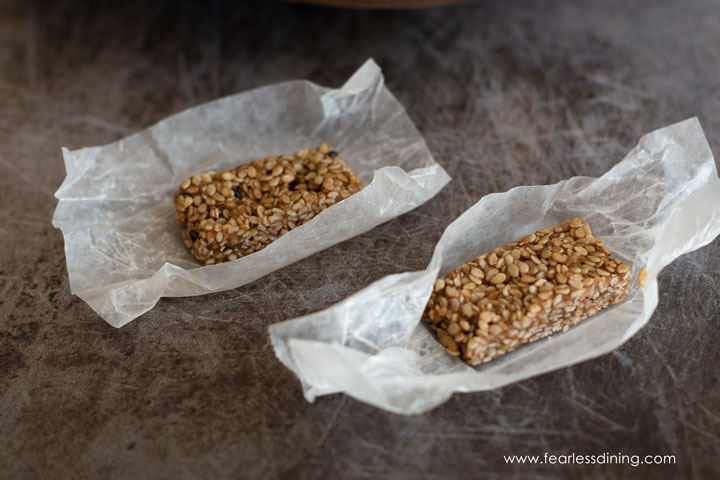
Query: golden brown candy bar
[
  {"x": 228, "y": 214},
  {"x": 544, "y": 282}
]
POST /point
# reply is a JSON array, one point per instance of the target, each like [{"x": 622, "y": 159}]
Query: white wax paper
[
  {"x": 661, "y": 201},
  {"x": 123, "y": 248}
]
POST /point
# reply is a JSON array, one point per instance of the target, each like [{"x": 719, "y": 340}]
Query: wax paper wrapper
[
  {"x": 124, "y": 250},
  {"x": 661, "y": 201}
]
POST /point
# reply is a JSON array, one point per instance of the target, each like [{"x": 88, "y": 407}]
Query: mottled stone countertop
[{"x": 506, "y": 93}]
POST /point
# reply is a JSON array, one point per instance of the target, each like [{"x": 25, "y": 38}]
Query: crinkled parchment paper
[
  {"x": 661, "y": 201},
  {"x": 116, "y": 213}
]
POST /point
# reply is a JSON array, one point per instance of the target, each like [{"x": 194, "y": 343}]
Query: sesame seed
[{"x": 499, "y": 278}]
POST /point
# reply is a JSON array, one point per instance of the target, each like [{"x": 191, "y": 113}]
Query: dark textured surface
[{"x": 506, "y": 93}]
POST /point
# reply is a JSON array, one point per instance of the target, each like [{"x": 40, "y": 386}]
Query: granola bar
[
  {"x": 226, "y": 215},
  {"x": 542, "y": 283}
]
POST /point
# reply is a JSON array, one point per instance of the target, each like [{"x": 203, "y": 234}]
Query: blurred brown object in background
[{"x": 378, "y": 4}]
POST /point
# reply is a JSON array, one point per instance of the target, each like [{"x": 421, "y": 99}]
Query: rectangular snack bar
[
  {"x": 226, "y": 215},
  {"x": 542, "y": 283}
]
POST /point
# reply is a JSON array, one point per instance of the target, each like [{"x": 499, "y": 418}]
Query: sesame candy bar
[
  {"x": 544, "y": 282},
  {"x": 226, "y": 215}
]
